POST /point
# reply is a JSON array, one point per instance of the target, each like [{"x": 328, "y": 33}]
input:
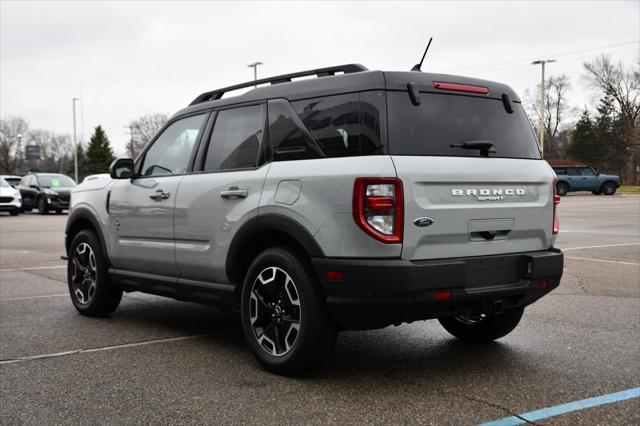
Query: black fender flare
[
  {"x": 269, "y": 222},
  {"x": 84, "y": 213}
]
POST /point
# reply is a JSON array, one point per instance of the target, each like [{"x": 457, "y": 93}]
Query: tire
[
  {"x": 596, "y": 192},
  {"x": 91, "y": 290},
  {"x": 14, "y": 212},
  {"x": 562, "y": 188},
  {"x": 281, "y": 295},
  {"x": 58, "y": 211},
  {"x": 42, "y": 206},
  {"x": 609, "y": 188},
  {"x": 484, "y": 330}
]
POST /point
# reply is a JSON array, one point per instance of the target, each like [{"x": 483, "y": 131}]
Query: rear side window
[
  {"x": 332, "y": 126},
  {"x": 442, "y": 120},
  {"x": 236, "y": 139}
]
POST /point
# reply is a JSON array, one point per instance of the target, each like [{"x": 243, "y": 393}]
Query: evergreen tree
[
  {"x": 584, "y": 145},
  {"x": 99, "y": 152}
]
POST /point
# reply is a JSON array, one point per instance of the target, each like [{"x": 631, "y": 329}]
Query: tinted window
[
  {"x": 55, "y": 181},
  {"x": 342, "y": 125},
  {"x": 236, "y": 139},
  {"x": 442, "y": 120},
  {"x": 171, "y": 151},
  {"x": 572, "y": 171},
  {"x": 587, "y": 172},
  {"x": 290, "y": 139},
  {"x": 560, "y": 171}
]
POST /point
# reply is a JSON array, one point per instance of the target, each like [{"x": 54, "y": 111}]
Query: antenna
[{"x": 417, "y": 67}]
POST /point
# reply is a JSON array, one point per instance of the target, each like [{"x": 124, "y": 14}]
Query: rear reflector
[
  {"x": 461, "y": 87},
  {"x": 334, "y": 275},
  {"x": 443, "y": 295},
  {"x": 542, "y": 283}
]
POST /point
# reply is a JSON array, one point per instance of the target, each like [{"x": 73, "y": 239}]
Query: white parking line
[
  {"x": 101, "y": 349},
  {"x": 33, "y": 268},
  {"x": 602, "y": 260},
  {"x": 603, "y": 246},
  {"x": 11, "y": 299}
]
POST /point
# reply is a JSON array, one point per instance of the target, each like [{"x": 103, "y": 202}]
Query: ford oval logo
[{"x": 423, "y": 221}]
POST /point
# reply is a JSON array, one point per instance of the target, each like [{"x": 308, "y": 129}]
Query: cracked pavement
[{"x": 162, "y": 361}]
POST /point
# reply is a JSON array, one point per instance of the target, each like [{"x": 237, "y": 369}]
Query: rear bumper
[{"x": 374, "y": 293}]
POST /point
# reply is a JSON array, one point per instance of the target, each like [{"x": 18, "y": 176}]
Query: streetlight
[
  {"x": 75, "y": 143},
  {"x": 542, "y": 62},
  {"x": 255, "y": 70}
]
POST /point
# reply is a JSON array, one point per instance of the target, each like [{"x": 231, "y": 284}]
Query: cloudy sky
[{"x": 129, "y": 58}]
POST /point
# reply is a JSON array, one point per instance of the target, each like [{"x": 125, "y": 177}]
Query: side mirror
[{"x": 121, "y": 168}]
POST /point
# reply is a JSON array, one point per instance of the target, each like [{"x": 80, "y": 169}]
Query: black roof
[{"x": 355, "y": 78}]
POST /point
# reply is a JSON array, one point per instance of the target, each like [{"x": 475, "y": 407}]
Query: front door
[{"x": 141, "y": 210}]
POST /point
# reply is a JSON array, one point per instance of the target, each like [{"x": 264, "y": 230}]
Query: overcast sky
[{"x": 126, "y": 58}]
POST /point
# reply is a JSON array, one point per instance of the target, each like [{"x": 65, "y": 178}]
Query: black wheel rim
[
  {"x": 84, "y": 273},
  {"x": 274, "y": 311}
]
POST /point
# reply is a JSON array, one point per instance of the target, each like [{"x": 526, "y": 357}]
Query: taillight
[
  {"x": 556, "y": 201},
  {"x": 378, "y": 208}
]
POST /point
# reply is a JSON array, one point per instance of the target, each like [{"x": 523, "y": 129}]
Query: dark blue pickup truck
[{"x": 577, "y": 177}]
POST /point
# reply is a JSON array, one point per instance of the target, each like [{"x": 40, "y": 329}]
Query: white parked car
[{"x": 10, "y": 199}]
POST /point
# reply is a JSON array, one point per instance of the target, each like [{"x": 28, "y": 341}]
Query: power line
[{"x": 548, "y": 55}]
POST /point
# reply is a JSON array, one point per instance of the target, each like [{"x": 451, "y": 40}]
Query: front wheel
[
  {"x": 484, "y": 328},
  {"x": 284, "y": 316},
  {"x": 42, "y": 206},
  {"x": 14, "y": 212},
  {"x": 562, "y": 189},
  {"x": 91, "y": 290},
  {"x": 609, "y": 188}
]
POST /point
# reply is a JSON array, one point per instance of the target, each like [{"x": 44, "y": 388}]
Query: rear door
[
  {"x": 141, "y": 210},
  {"x": 479, "y": 203},
  {"x": 221, "y": 195}
]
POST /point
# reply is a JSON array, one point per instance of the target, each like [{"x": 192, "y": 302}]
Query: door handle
[
  {"x": 160, "y": 195},
  {"x": 234, "y": 192}
]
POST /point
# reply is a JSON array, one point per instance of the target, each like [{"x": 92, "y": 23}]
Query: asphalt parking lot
[{"x": 161, "y": 361}]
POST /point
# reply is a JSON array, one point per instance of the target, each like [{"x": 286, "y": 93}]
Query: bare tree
[
  {"x": 143, "y": 129},
  {"x": 557, "y": 113},
  {"x": 12, "y": 130},
  {"x": 54, "y": 151},
  {"x": 623, "y": 85}
]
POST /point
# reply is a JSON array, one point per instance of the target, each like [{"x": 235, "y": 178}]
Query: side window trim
[{"x": 139, "y": 161}]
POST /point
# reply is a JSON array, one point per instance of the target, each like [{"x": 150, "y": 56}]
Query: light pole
[
  {"x": 542, "y": 62},
  {"x": 75, "y": 143},
  {"x": 255, "y": 70}
]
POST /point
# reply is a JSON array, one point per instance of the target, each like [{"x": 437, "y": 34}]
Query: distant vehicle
[
  {"x": 12, "y": 180},
  {"x": 46, "y": 191},
  {"x": 574, "y": 176},
  {"x": 10, "y": 199}
]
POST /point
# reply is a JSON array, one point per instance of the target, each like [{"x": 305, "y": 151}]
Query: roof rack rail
[{"x": 285, "y": 78}]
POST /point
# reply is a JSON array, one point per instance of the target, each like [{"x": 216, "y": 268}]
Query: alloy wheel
[
  {"x": 274, "y": 310},
  {"x": 84, "y": 272}
]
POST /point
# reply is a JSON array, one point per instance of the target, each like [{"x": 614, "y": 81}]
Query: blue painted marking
[{"x": 566, "y": 408}]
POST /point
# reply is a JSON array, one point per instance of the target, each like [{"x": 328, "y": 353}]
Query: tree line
[
  {"x": 55, "y": 151},
  {"x": 607, "y": 137}
]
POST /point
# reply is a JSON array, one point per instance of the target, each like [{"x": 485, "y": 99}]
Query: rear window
[{"x": 442, "y": 120}]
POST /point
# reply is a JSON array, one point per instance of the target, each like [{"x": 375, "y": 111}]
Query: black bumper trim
[{"x": 374, "y": 293}]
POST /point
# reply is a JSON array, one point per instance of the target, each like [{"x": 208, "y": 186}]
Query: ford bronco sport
[{"x": 354, "y": 200}]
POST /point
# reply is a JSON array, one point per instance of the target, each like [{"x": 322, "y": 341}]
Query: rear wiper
[{"x": 483, "y": 146}]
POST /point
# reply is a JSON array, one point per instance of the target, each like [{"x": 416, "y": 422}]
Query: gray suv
[{"x": 353, "y": 200}]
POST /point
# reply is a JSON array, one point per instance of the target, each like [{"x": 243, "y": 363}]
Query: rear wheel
[
  {"x": 562, "y": 188},
  {"x": 284, "y": 316},
  {"x": 91, "y": 291},
  {"x": 609, "y": 188},
  {"x": 596, "y": 192},
  {"x": 58, "y": 211},
  {"x": 483, "y": 328},
  {"x": 42, "y": 206}
]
